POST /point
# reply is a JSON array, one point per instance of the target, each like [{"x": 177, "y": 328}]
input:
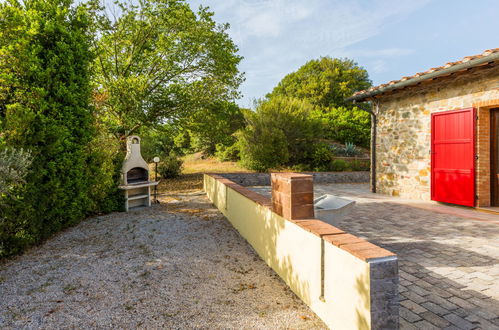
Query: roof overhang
[{"x": 420, "y": 77}]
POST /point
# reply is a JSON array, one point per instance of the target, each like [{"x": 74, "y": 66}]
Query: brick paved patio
[
  {"x": 448, "y": 257},
  {"x": 448, "y": 265}
]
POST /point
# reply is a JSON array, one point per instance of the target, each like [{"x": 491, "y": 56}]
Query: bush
[
  {"x": 345, "y": 125},
  {"x": 158, "y": 142},
  {"x": 321, "y": 157},
  {"x": 213, "y": 125},
  {"x": 13, "y": 168},
  {"x": 104, "y": 164},
  {"x": 228, "y": 154},
  {"x": 339, "y": 165},
  {"x": 45, "y": 108},
  {"x": 278, "y": 134},
  {"x": 360, "y": 165},
  {"x": 301, "y": 168},
  {"x": 170, "y": 167},
  {"x": 263, "y": 148}
]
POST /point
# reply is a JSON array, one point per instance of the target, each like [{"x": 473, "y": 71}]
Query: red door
[{"x": 453, "y": 157}]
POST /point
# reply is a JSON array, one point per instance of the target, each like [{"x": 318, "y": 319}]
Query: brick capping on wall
[
  {"x": 342, "y": 257},
  {"x": 349, "y": 282},
  {"x": 329, "y": 233}
]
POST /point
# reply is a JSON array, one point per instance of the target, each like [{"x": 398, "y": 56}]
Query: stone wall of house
[{"x": 403, "y": 166}]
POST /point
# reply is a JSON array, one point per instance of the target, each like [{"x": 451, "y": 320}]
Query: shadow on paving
[{"x": 448, "y": 266}]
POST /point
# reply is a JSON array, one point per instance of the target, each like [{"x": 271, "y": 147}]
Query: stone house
[{"x": 435, "y": 134}]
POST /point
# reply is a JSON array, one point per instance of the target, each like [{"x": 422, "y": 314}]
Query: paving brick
[
  {"x": 463, "y": 294},
  {"x": 435, "y": 308},
  {"x": 407, "y": 276},
  {"x": 425, "y": 325},
  {"x": 408, "y": 315},
  {"x": 461, "y": 312},
  {"x": 486, "y": 314},
  {"x": 481, "y": 322},
  {"x": 435, "y": 319},
  {"x": 417, "y": 289},
  {"x": 441, "y": 302},
  {"x": 441, "y": 292},
  {"x": 423, "y": 283},
  {"x": 411, "y": 295},
  {"x": 462, "y": 303},
  {"x": 459, "y": 322},
  {"x": 451, "y": 327},
  {"x": 405, "y": 325},
  {"x": 447, "y": 263},
  {"x": 414, "y": 307}
]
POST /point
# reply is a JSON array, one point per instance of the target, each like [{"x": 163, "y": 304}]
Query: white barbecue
[{"x": 135, "y": 176}]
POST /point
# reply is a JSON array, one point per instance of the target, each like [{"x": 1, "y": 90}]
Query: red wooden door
[{"x": 453, "y": 157}]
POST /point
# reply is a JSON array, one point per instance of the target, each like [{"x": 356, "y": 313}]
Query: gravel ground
[{"x": 179, "y": 264}]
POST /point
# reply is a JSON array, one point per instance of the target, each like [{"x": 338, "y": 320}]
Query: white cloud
[
  {"x": 278, "y": 36},
  {"x": 378, "y": 66}
]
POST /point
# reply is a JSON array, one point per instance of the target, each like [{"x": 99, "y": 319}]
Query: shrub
[
  {"x": 339, "y": 165},
  {"x": 13, "y": 168},
  {"x": 213, "y": 125},
  {"x": 44, "y": 107},
  {"x": 349, "y": 150},
  {"x": 301, "y": 168},
  {"x": 228, "y": 154},
  {"x": 263, "y": 148},
  {"x": 104, "y": 164},
  {"x": 342, "y": 124},
  {"x": 158, "y": 142},
  {"x": 360, "y": 165},
  {"x": 321, "y": 157},
  {"x": 170, "y": 167},
  {"x": 279, "y": 133}
]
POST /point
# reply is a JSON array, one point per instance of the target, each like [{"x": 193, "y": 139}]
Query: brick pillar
[{"x": 293, "y": 195}]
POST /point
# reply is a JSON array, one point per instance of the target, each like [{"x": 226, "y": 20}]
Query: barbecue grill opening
[{"x": 137, "y": 174}]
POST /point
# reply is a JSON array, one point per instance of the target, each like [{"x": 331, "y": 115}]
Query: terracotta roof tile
[{"x": 445, "y": 66}]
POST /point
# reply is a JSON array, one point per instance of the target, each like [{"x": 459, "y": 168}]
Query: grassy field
[
  {"x": 196, "y": 164},
  {"x": 192, "y": 173}
]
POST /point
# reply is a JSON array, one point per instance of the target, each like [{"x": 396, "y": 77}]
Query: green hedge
[{"x": 45, "y": 92}]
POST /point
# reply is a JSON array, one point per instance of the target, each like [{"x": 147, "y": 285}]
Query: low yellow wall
[{"x": 295, "y": 254}]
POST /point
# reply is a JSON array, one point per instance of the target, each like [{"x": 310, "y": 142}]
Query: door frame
[
  {"x": 432, "y": 150},
  {"x": 494, "y": 164}
]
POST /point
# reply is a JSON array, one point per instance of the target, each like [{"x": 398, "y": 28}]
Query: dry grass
[
  {"x": 192, "y": 173},
  {"x": 196, "y": 164},
  {"x": 185, "y": 182}
]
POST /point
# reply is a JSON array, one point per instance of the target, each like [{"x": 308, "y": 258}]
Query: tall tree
[
  {"x": 214, "y": 124},
  {"x": 45, "y": 93},
  {"x": 157, "y": 59},
  {"x": 326, "y": 83}
]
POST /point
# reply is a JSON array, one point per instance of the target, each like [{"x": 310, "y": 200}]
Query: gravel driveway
[{"x": 179, "y": 264}]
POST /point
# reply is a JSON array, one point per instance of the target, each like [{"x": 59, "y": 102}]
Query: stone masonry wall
[
  {"x": 403, "y": 143},
  {"x": 263, "y": 179}
]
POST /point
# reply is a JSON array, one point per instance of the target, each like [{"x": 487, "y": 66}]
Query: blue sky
[{"x": 390, "y": 38}]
